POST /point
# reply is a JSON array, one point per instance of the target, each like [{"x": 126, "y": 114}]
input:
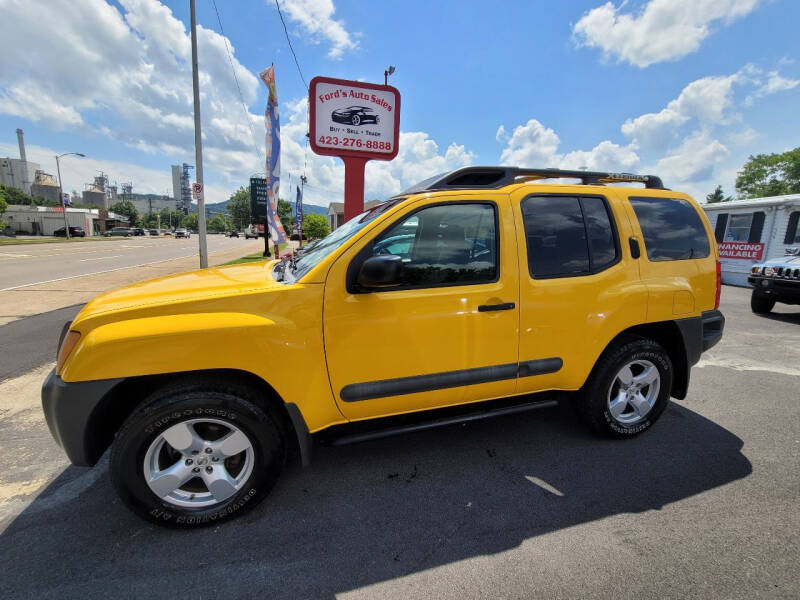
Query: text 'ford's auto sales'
[{"x": 353, "y": 119}]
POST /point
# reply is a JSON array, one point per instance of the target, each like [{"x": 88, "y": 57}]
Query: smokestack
[{"x": 25, "y": 183}]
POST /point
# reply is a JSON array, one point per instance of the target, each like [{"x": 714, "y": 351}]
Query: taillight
[{"x": 719, "y": 285}]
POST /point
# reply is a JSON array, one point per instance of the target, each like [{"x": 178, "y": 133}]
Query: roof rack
[{"x": 497, "y": 177}]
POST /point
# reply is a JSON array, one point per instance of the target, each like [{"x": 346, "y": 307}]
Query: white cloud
[
  {"x": 316, "y": 19},
  {"x": 534, "y": 145},
  {"x": 774, "y": 83},
  {"x": 663, "y": 30},
  {"x": 693, "y": 161},
  {"x": 501, "y": 134}
]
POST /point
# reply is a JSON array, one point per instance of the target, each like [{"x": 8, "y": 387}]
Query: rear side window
[
  {"x": 671, "y": 228},
  {"x": 568, "y": 236}
]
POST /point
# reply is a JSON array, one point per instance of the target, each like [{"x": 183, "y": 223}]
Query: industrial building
[
  {"x": 151, "y": 203},
  {"x": 18, "y": 172},
  {"x": 45, "y": 186},
  {"x": 182, "y": 187},
  {"x": 44, "y": 220}
]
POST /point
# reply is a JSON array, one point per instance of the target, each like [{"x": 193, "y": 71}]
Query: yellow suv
[{"x": 465, "y": 297}]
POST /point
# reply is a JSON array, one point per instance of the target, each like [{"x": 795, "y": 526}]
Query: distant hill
[{"x": 222, "y": 207}]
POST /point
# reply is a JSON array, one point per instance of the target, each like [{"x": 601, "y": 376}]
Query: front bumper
[
  {"x": 776, "y": 287},
  {"x": 71, "y": 412}
]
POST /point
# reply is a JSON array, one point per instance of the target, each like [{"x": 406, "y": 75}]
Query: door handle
[{"x": 493, "y": 307}]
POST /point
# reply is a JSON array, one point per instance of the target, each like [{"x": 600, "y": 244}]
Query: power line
[
  {"x": 286, "y": 31},
  {"x": 236, "y": 79}
]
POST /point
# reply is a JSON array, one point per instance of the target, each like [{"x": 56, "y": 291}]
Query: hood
[{"x": 194, "y": 285}]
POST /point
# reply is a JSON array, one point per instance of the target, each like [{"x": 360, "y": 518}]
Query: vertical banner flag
[
  {"x": 273, "y": 164},
  {"x": 298, "y": 208}
]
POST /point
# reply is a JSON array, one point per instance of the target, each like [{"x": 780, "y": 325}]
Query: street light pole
[
  {"x": 61, "y": 191},
  {"x": 198, "y": 145}
]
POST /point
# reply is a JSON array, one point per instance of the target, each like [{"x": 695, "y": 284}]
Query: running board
[{"x": 466, "y": 418}]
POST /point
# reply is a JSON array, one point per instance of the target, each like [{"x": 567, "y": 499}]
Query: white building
[
  {"x": 147, "y": 203},
  {"x": 18, "y": 173},
  {"x": 336, "y": 212},
  {"x": 751, "y": 231},
  {"x": 44, "y": 220}
]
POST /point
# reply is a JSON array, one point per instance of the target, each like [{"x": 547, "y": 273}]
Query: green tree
[
  {"x": 150, "y": 220},
  {"x": 718, "y": 196},
  {"x": 13, "y": 195},
  {"x": 219, "y": 222},
  {"x": 190, "y": 221},
  {"x": 770, "y": 175},
  {"x": 127, "y": 208},
  {"x": 3, "y": 207},
  {"x": 239, "y": 207},
  {"x": 315, "y": 226},
  {"x": 286, "y": 215},
  {"x": 171, "y": 218}
]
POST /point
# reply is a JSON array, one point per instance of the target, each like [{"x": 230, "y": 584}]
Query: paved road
[
  {"x": 702, "y": 506},
  {"x": 32, "y": 341},
  {"x": 28, "y": 264}
]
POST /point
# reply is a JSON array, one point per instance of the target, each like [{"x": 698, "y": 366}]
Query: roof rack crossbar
[{"x": 497, "y": 177}]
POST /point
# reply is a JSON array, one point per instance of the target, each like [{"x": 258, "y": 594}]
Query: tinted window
[
  {"x": 444, "y": 245},
  {"x": 602, "y": 244},
  {"x": 672, "y": 229},
  {"x": 556, "y": 230}
]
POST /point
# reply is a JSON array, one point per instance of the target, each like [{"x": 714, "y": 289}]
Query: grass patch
[{"x": 253, "y": 257}]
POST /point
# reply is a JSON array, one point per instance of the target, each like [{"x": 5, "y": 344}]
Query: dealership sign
[
  {"x": 741, "y": 250},
  {"x": 357, "y": 122}
]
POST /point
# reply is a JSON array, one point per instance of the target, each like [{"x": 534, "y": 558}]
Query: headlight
[{"x": 769, "y": 271}]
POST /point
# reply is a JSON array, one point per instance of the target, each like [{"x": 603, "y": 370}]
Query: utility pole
[
  {"x": 198, "y": 145},
  {"x": 61, "y": 191},
  {"x": 303, "y": 180}
]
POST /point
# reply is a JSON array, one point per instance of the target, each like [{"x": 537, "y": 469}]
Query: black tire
[
  {"x": 593, "y": 398},
  {"x": 355, "y": 120},
  {"x": 198, "y": 398},
  {"x": 761, "y": 304}
]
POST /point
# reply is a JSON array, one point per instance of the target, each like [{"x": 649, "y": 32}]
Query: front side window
[
  {"x": 671, "y": 228},
  {"x": 447, "y": 244},
  {"x": 568, "y": 236},
  {"x": 739, "y": 228}
]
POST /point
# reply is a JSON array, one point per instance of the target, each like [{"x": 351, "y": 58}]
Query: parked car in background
[
  {"x": 504, "y": 292},
  {"x": 182, "y": 233},
  {"x": 233, "y": 234},
  {"x": 251, "y": 232},
  {"x": 776, "y": 280},
  {"x": 73, "y": 232},
  {"x": 138, "y": 231},
  {"x": 119, "y": 231},
  {"x": 154, "y": 232}
]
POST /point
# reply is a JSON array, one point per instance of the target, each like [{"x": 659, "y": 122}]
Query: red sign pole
[{"x": 353, "y": 186}]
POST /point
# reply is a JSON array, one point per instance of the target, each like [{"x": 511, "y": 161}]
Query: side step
[{"x": 354, "y": 438}]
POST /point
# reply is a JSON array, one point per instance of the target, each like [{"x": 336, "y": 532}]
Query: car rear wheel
[
  {"x": 197, "y": 453},
  {"x": 628, "y": 389},
  {"x": 355, "y": 120},
  {"x": 761, "y": 304}
]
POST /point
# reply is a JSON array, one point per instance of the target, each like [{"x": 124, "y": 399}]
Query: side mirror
[{"x": 380, "y": 272}]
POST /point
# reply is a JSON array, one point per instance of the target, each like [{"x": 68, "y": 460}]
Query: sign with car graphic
[{"x": 354, "y": 118}]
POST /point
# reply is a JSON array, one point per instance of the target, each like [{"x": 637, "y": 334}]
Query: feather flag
[{"x": 272, "y": 123}]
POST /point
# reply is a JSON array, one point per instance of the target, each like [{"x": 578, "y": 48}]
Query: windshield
[{"x": 324, "y": 247}]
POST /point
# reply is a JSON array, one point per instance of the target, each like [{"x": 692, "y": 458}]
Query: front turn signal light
[{"x": 66, "y": 347}]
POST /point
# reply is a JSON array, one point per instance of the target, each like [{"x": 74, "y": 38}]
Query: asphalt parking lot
[{"x": 704, "y": 505}]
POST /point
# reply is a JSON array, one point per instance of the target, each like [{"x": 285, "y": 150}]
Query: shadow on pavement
[
  {"x": 783, "y": 317},
  {"x": 369, "y": 513}
]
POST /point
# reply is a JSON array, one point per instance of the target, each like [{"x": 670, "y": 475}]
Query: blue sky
[{"x": 683, "y": 88}]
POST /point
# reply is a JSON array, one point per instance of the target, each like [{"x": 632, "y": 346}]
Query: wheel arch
[
  {"x": 672, "y": 338},
  {"x": 120, "y": 402}
]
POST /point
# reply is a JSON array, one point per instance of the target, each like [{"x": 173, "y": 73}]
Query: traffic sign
[{"x": 197, "y": 191}]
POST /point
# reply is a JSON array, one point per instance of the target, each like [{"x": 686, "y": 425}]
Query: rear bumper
[{"x": 69, "y": 409}]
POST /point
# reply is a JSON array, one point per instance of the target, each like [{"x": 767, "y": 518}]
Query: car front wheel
[
  {"x": 355, "y": 120},
  {"x": 628, "y": 389},
  {"x": 761, "y": 304},
  {"x": 196, "y": 454}
]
